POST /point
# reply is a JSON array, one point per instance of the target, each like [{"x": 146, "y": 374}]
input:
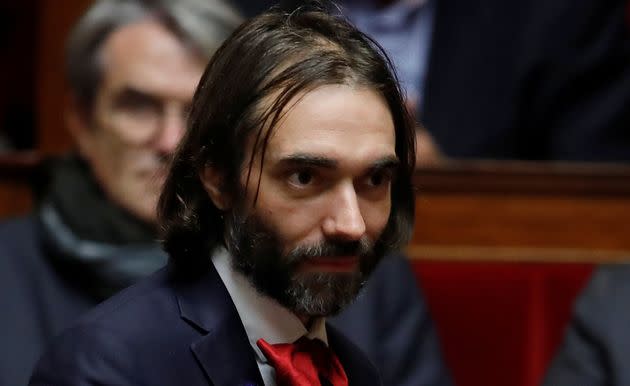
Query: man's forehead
[
  {"x": 335, "y": 112},
  {"x": 338, "y": 122},
  {"x": 141, "y": 35},
  {"x": 145, "y": 54}
]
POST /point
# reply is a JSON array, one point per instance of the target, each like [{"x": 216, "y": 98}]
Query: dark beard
[{"x": 257, "y": 253}]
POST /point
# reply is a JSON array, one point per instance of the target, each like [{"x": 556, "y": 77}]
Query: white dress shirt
[{"x": 262, "y": 316}]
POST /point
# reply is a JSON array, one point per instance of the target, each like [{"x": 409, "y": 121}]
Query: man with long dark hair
[{"x": 290, "y": 185}]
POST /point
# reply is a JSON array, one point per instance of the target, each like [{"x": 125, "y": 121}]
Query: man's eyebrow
[
  {"x": 132, "y": 94},
  {"x": 311, "y": 160},
  {"x": 389, "y": 162}
]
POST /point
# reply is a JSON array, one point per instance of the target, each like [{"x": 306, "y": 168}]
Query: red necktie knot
[{"x": 304, "y": 363}]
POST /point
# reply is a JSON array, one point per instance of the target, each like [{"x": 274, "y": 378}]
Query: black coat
[
  {"x": 389, "y": 321},
  {"x": 532, "y": 79},
  {"x": 164, "y": 331},
  {"x": 37, "y": 301}
]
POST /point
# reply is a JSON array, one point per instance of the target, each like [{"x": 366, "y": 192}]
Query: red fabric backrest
[{"x": 500, "y": 323}]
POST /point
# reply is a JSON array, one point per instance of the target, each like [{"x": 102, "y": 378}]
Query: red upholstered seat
[{"x": 500, "y": 323}]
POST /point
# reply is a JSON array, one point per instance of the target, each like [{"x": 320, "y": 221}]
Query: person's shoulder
[
  {"x": 603, "y": 304},
  {"x": 84, "y": 352},
  {"x": 138, "y": 336},
  {"x": 16, "y": 229},
  {"x": 114, "y": 335},
  {"x": 19, "y": 241},
  {"x": 134, "y": 306},
  {"x": 609, "y": 284}
]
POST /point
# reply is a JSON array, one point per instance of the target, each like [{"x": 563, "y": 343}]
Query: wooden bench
[
  {"x": 502, "y": 249},
  {"x": 17, "y": 177}
]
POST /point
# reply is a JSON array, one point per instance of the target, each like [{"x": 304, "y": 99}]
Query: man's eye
[
  {"x": 376, "y": 179},
  {"x": 142, "y": 105},
  {"x": 137, "y": 102},
  {"x": 379, "y": 178},
  {"x": 303, "y": 177}
]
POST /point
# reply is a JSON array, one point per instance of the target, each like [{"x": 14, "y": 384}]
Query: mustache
[{"x": 361, "y": 248}]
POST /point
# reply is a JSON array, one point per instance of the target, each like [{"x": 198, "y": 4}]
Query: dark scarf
[{"x": 97, "y": 245}]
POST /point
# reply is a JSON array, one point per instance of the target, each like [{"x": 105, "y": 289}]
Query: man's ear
[
  {"x": 78, "y": 124},
  {"x": 213, "y": 182}
]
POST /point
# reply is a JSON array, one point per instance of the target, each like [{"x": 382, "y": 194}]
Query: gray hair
[{"x": 201, "y": 25}]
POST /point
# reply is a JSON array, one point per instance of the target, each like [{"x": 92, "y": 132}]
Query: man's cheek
[{"x": 377, "y": 220}]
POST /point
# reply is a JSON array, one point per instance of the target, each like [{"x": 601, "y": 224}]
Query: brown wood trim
[
  {"x": 522, "y": 177},
  {"x": 56, "y": 18},
  {"x": 19, "y": 165},
  {"x": 470, "y": 253},
  {"x": 18, "y": 171}
]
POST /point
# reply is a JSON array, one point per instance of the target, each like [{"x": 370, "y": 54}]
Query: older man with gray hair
[{"x": 132, "y": 67}]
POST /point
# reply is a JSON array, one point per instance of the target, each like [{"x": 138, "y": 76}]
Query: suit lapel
[
  {"x": 223, "y": 352},
  {"x": 358, "y": 368},
  {"x": 227, "y": 358}
]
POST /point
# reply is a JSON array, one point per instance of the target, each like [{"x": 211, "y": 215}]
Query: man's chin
[
  {"x": 143, "y": 207},
  {"x": 323, "y": 293}
]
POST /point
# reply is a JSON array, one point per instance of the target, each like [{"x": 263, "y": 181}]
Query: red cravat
[{"x": 303, "y": 363}]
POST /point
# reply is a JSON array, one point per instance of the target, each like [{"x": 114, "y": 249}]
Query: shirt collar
[{"x": 262, "y": 316}]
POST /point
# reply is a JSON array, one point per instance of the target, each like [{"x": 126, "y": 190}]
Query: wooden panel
[
  {"x": 56, "y": 20},
  {"x": 524, "y": 220},
  {"x": 523, "y": 212},
  {"x": 15, "y": 199},
  {"x": 16, "y": 176}
]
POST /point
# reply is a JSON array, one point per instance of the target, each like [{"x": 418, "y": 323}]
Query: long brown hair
[{"x": 275, "y": 57}]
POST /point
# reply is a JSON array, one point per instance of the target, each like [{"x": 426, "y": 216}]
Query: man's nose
[
  {"x": 171, "y": 130},
  {"x": 345, "y": 220}
]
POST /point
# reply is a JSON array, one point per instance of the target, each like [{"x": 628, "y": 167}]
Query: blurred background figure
[
  {"x": 132, "y": 67},
  {"x": 530, "y": 80},
  {"x": 596, "y": 348}
]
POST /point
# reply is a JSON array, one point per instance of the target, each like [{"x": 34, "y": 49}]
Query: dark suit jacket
[
  {"x": 533, "y": 79},
  {"x": 165, "y": 331},
  {"x": 596, "y": 350},
  {"x": 37, "y": 300},
  {"x": 389, "y": 321}
]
